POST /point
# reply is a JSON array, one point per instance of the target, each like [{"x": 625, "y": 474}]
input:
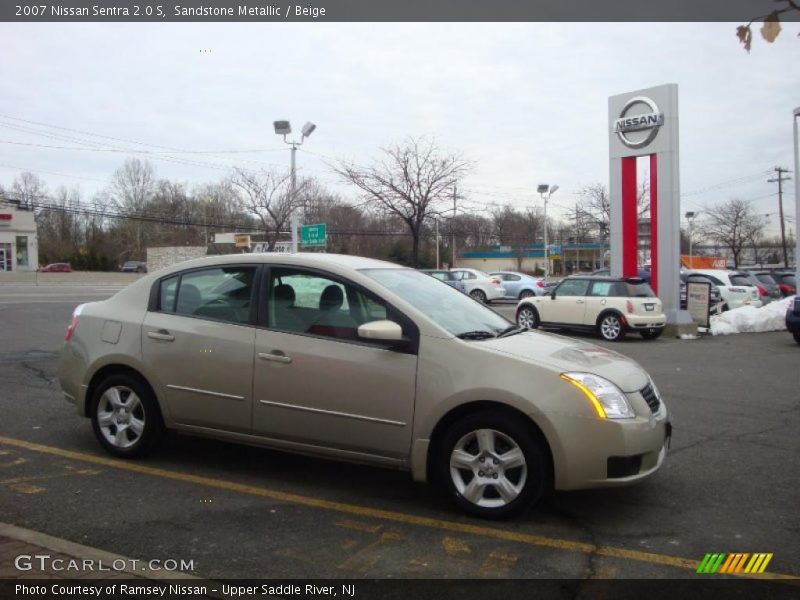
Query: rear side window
[
  {"x": 601, "y": 288},
  {"x": 219, "y": 293}
]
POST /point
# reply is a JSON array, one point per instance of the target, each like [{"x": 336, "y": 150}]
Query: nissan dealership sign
[{"x": 638, "y": 122}]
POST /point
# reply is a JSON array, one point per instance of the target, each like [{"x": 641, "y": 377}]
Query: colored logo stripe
[{"x": 734, "y": 563}]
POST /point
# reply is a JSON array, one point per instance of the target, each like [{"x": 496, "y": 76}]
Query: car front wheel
[
  {"x": 125, "y": 416},
  {"x": 527, "y": 317},
  {"x": 611, "y": 328},
  {"x": 478, "y": 295},
  {"x": 796, "y": 335},
  {"x": 491, "y": 465}
]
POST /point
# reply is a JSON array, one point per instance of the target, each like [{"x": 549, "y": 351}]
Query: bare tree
[
  {"x": 132, "y": 187},
  {"x": 267, "y": 195},
  {"x": 412, "y": 178},
  {"x": 732, "y": 224},
  {"x": 28, "y": 189}
]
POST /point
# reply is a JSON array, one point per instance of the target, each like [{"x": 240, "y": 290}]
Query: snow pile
[{"x": 747, "y": 319}]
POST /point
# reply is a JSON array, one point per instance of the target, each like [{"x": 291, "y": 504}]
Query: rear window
[
  {"x": 764, "y": 278},
  {"x": 740, "y": 280}
]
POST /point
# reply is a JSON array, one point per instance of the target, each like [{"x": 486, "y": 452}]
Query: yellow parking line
[{"x": 375, "y": 513}]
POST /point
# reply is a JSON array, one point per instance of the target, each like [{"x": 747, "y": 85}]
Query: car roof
[
  {"x": 603, "y": 278},
  {"x": 301, "y": 258}
]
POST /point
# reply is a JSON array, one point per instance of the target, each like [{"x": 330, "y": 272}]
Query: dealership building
[{"x": 18, "y": 243}]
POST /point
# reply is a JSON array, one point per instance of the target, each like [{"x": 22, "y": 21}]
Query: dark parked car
[
  {"x": 767, "y": 286},
  {"x": 793, "y": 319},
  {"x": 56, "y": 268},
  {"x": 448, "y": 277},
  {"x": 787, "y": 282},
  {"x": 134, "y": 266},
  {"x": 644, "y": 274}
]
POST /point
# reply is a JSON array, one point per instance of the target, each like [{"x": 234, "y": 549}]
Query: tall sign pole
[{"x": 644, "y": 124}]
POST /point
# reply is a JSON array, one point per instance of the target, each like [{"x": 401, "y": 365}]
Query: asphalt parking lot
[{"x": 729, "y": 483}]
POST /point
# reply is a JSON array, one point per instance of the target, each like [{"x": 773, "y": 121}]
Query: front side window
[
  {"x": 311, "y": 303},
  {"x": 573, "y": 287},
  {"x": 219, "y": 293}
]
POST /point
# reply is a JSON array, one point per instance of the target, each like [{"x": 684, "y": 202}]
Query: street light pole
[
  {"x": 437, "y": 242},
  {"x": 546, "y": 191},
  {"x": 796, "y": 194},
  {"x": 690, "y": 217},
  {"x": 284, "y": 128}
]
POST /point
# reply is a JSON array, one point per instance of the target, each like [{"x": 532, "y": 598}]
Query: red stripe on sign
[
  {"x": 630, "y": 225},
  {"x": 654, "y": 222},
  {"x": 5, "y": 217}
]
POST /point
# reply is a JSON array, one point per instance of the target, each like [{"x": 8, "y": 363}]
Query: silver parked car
[{"x": 358, "y": 359}]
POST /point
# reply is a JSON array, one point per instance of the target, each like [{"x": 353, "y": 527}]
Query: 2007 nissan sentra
[{"x": 362, "y": 360}]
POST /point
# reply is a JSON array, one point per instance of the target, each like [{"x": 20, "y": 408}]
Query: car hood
[{"x": 566, "y": 354}]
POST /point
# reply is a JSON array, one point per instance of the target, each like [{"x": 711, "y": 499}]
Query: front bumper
[{"x": 594, "y": 453}]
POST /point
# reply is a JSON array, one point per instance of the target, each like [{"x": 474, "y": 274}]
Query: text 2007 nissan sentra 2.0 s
[{"x": 359, "y": 359}]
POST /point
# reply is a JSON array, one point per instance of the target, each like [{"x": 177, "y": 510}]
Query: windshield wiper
[
  {"x": 476, "y": 335},
  {"x": 511, "y": 330}
]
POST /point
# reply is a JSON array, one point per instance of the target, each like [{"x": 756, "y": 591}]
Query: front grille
[{"x": 649, "y": 395}]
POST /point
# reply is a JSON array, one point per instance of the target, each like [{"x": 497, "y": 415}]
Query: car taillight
[
  {"x": 786, "y": 289},
  {"x": 761, "y": 291},
  {"x": 73, "y": 323},
  {"x": 495, "y": 281},
  {"x": 540, "y": 284},
  {"x": 629, "y": 306}
]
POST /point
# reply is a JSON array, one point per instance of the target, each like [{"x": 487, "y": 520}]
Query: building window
[{"x": 22, "y": 251}]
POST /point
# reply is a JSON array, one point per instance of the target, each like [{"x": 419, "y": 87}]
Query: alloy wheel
[
  {"x": 488, "y": 468},
  {"x": 121, "y": 416}
]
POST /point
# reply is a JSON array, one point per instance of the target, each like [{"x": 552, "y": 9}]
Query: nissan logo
[{"x": 647, "y": 121}]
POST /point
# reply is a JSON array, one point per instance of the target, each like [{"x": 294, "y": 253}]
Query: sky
[{"x": 526, "y": 102}]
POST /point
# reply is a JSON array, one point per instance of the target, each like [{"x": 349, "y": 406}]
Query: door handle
[
  {"x": 275, "y": 356},
  {"x": 162, "y": 335},
  {"x": 578, "y": 301}
]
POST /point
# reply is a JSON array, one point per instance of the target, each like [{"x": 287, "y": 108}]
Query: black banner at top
[{"x": 393, "y": 10}]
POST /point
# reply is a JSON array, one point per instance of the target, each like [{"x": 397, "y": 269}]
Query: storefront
[{"x": 18, "y": 243}]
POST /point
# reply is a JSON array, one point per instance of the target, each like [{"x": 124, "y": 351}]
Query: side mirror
[
  {"x": 553, "y": 295},
  {"x": 384, "y": 331}
]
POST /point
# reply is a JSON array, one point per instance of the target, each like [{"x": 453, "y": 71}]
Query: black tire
[
  {"x": 610, "y": 327},
  {"x": 651, "y": 334},
  {"x": 504, "y": 428},
  {"x": 796, "y": 335},
  {"x": 531, "y": 317},
  {"x": 478, "y": 295},
  {"x": 147, "y": 412},
  {"x": 526, "y": 294}
]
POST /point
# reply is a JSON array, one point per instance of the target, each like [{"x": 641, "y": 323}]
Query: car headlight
[{"x": 606, "y": 398}]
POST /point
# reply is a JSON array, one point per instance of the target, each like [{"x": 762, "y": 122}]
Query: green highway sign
[{"x": 314, "y": 235}]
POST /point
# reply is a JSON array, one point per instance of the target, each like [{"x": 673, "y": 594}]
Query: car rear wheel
[
  {"x": 527, "y": 317},
  {"x": 478, "y": 295},
  {"x": 796, "y": 335},
  {"x": 492, "y": 465},
  {"x": 651, "y": 334},
  {"x": 125, "y": 416},
  {"x": 525, "y": 294},
  {"x": 611, "y": 328}
]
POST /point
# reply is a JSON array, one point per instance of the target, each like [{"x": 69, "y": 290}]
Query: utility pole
[
  {"x": 455, "y": 196},
  {"x": 779, "y": 180}
]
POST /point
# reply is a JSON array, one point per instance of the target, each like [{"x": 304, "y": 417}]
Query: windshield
[{"x": 446, "y": 306}]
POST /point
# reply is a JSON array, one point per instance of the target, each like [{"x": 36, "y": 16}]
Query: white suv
[
  {"x": 735, "y": 289},
  {"x": 479, "y": 285}
]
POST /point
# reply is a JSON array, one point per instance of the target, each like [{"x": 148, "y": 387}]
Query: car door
[
  {"x": 597, "y": 300},
  {"x": 569, "y": 304},
  {"x": 316, "y": 382},
  {"x": 512, "y": 283},
  {"x": 198, "y": 338}
]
